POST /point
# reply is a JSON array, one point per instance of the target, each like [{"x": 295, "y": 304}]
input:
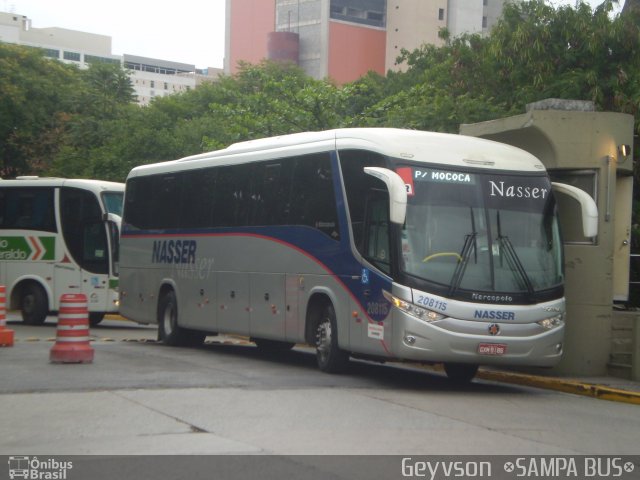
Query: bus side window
[
  {"x": 313, "y": 200},
  {"x": 231, "y": 196},
  {"x": 28, "y": 209},
  {"x": 198, "y": 187}
]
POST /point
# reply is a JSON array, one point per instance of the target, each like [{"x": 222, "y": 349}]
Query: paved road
[{"x": 228, "y": 397}]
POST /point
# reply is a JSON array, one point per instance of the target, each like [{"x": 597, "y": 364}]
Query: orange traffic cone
[
  {"x": 72, "y": 336},
  {"x": 6, "y": 335}
]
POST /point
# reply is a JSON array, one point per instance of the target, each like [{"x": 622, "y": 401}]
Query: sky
[{"x": 187, "y": 31}]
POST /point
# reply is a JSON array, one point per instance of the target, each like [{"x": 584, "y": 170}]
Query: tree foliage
[{"x": 35, "y": 101}]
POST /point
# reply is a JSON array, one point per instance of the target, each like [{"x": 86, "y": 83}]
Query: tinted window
[
  {"x": 232, "y": 196},
  {"x": 139, "y": 202},
  {"x": 84, "y": 230},
  {"x": 313, "y": 201},
  {"x": 166, "y": 201},
  {"x": 290, "y": 191},
  {"x": 270, "y": 192},
  {"x": 197, "y": 198},
  {"x": 359, "y": 187},
  {"x": 27, "y": 208}
]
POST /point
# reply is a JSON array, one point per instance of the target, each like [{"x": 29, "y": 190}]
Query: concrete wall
[
  {"x": 582, "y": 140},
  {"x": 411, "y": 24}
]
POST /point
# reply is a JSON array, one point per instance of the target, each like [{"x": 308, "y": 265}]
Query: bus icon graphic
[{"x": 18, "y": 467}]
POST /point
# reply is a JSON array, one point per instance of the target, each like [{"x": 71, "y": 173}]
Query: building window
[
  {"x": 366, "y": 12},
  {"x": 152, "y": 84},
  {"x": 73, "y": 56},
  {"x": 485, "y": 2},
  {"x": 484, "y": 22},
  {"x": 96, "y": 59},
  {"x": 441, "y": 14},
  {"x": 166, "y": 86},
  {"x": 51, "y": 53}
]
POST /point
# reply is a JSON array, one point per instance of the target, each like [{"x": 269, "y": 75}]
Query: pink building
[
  {"x": 344, "y": 39},
  {"x": 317, "y": 35},
  {"x": 248, "y": 24}
]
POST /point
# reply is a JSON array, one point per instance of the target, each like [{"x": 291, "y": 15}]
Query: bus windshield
[
  {"x": 484, "y": 233},
  {"x": 113, "y": 202}
]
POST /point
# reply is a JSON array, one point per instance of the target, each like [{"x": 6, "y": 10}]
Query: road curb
[{"x": 592, "y": 390}]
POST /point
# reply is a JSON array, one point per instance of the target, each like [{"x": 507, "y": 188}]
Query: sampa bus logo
[{"x": 27, "y": 248}]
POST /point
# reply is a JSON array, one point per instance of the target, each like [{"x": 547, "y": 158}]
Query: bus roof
[
  {"x": 412, "y": 145},
  {"x": 92, "y": 185}
]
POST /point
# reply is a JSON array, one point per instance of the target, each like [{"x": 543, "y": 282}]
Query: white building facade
[{"x": 150, "y": 77}]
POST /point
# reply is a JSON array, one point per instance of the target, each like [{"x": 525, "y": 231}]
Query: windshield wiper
[
  {"x": 470, "y": 243},
  {"x": 461, "y": 267},
  {"x": 512, "y": 258}
]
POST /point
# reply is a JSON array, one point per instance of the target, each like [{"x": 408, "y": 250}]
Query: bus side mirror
[
  {"x": 397, "y": 192},
  {"x": 588, "y": 207}
]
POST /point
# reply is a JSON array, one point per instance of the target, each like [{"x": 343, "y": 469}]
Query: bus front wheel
[
  {"x": 330, "y": 357},
  {"x": 33, "y": 304},
  {"x": 169, "y": 332}
]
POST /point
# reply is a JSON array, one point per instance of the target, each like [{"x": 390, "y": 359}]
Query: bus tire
[
  {"x": 95, "y": 318},
  {"x": 330, "y": 358},
  {"x": 33, "y": 304},
  {"x": 460, "y": 372},
  {"x": 169, "y": 331}
]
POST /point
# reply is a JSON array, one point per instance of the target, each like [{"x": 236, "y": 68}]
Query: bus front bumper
[{"x": 477, "y": 342}]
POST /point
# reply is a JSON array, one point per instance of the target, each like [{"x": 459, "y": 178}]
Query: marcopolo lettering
[
  {"x": 494, "y": 315},
  {"x": 174, "y": 251},
  {"x": 500, "y": 189}
]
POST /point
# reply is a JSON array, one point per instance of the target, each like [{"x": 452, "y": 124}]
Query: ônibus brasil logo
[
  {"x": 27, "y": 248},
  {"x": 38, "y": 469}
]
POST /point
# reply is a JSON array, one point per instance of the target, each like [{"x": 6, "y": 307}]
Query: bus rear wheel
[
  {"x": 33, "y": 304},
  {"x": 169, "y": 332},
  {"x": 329, "y": 356},
  {"x": 460, "y": 372},
  {"x": 95, "y": 318}
]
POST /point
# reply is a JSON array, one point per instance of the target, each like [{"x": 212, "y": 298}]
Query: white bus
[
  {"x": 375, "y": 243},
  {"x": 59, "y": 236}
]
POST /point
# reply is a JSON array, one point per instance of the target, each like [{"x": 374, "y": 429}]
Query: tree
[
  {"x": 37, "y": 96},
  {"x": 106, "y": 87},
  {"x": 631, "y": 6},
  {"x": 272, "y": 99}
]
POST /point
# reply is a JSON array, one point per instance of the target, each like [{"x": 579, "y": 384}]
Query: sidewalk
[{"x": 604, "y": 388}]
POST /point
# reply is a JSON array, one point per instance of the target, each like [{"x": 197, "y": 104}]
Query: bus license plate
[{"x": 492, "y": 349}]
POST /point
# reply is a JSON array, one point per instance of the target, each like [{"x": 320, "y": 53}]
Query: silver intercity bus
[{"x": 381, "y": 244}]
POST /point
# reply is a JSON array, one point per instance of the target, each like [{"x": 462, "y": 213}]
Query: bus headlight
[
  {"x": 413, "y": 309},
  {"x": 552, "y": 322}
]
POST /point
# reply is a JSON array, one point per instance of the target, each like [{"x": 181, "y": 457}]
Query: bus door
[
  {"x": 376, "y": 250},
  {"x": 86, "y": 237}
]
